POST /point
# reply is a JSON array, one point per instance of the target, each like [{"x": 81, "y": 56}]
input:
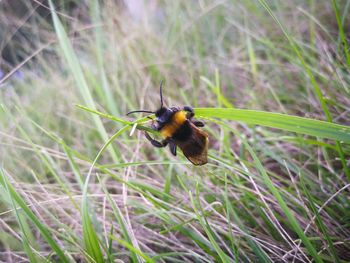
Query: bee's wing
[{"x": 196, "y": 147}]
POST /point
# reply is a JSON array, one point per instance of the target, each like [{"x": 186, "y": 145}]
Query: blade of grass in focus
[
  {"x": 285, "y": 122},
  {"x": 122, "y": 121}
]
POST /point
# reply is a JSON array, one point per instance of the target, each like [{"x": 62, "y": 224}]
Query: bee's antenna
[
  {"x": 161, "y": 94},
  {"x": 135, "y": 111}
]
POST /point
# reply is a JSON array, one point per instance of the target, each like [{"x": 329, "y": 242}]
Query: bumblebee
[{"x": 178, "y": 129}]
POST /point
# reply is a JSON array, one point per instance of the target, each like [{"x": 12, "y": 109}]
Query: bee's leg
[
  {"x": 172, "y": 147},
  {"x": 190, "y": 115},
  {"x": 190, "y": 112},
  {"x": 198, "y": 123},
  {"x": 188, "y": 108},
  {"x": 153, "y": 126},
  {"x": 156, "y": 143}
]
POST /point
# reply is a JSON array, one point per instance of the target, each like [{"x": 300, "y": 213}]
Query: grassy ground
[{"x": 76, "y": 186}]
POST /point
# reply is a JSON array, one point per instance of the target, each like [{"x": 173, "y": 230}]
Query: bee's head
[{"x": 163, "y": 114}]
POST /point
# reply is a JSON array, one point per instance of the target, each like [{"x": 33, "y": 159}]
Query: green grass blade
[
  {"x": 341, "y": 33},
  {"x": 73, "y": 164},
  {"x": 319, "y": 221},
  {"x": 89, "y": 235},
  {"x": 215, "y": 87},
  {"x": 44, "y": 231},
  {"x": 204, "y": 223},
  {"x": 48, "y": 162},
  {"x": 69, "y": 153},
  {"x": 121, "y": 221},
  {"x": 99, "y": 37},
  {"x": 276, "y": 193},
  {"x": 313, "y": 81},
  {"x": 133, "y": 249},
  {"x": 122, "y": 121},
  {"x": 251, "y": 52},
  {"x": 25, "y": 231},
  {"x": 167, "y": 184},
  {"x": 297, "y": 51},
  {"x": 91, "y": 240},
  {"x": 285, "y": 122},
  {"x": 77, "y": 72},
  {"x": 261, "y": 255}
]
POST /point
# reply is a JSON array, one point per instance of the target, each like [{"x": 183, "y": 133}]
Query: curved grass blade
[{"x": 89, "y": 235}]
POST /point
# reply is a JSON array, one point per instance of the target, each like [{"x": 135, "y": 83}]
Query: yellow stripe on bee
[{"x": 176, "y": 121}]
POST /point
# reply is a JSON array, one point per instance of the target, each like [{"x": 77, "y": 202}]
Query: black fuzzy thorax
[{"x": 184, "y": 132}]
